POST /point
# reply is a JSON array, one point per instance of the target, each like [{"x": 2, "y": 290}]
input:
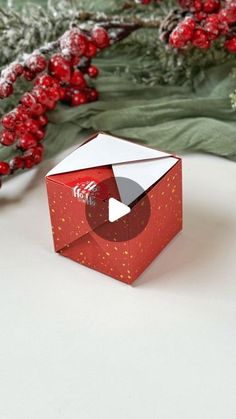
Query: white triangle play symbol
[{"x": 116, "y": 210}]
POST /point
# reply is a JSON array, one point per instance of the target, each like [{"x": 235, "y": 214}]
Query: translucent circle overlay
[{"x": 126, "y": 227}]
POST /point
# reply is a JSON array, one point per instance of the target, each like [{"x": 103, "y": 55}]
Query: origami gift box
[{"x": 80, "y": 190}]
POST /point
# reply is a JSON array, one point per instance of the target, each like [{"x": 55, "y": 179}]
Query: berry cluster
[
  {"x": 63, "y": 78},
  {"x": 206, "y": 21}
]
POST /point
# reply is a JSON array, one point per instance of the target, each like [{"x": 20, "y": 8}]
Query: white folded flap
[
  {"x": 105, "y": 150},
  {"x": 145, "y": 173}
]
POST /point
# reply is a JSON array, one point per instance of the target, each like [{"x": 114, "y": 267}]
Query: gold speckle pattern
[{"x": 121, "y": 260}]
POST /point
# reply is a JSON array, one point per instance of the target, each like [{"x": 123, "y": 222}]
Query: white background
[{"x": 75, "y": 344}]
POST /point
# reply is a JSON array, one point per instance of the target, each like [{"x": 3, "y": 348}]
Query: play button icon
[
  {"x": 111, "y": 211},
  {"x": 117, "y": 210}
]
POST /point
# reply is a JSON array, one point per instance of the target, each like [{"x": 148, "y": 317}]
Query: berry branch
[{"x": 63, "y": 78}]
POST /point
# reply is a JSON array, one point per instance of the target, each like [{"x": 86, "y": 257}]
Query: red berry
[
  {"x": 93, "y": 71},
  {"x": 78, "y": 79},
  {"x": 40, "y": 147},
  {"x": 37, "y": 156},
  {"x": 37, "y": 109},
  {"x": 39, "y": 134},
  {"x": 51, "y": 105},
  {"x": 32, "y": 125},
  {"x": 34, "y": 155},
  {"x": 199, "y": 16},
  {"x": 74, "y": 42},
  {"x": 28, "y": 74},
  {"x": 60, "y": 68},
  {"x": 228, "y": 14},
  {"x": 28, "y": 100},
  {"x": 197, "y": 5},
  {"x": 7, "y": 138},
  {"x": 223, "y": 16},
  {"x": 28, "y": 162},
  {"x": 45, "y": 80},
  {"x": 9, "y": 120},
  {"x": 20, "y": 128},
  {"x": 27, "y": 141},
  {"x": 43, "y": 120},
  {"x": 93, "y": 95},
  {"x": 17, "y": 68},
  {"x": 6, "y": 89},
  {"x": 176, "y": 40},
  {"x": 183, "y": 33},
  {"x": 36, "y": 63},
  {"x": 4, "y": 168},
  {"x": 41, "y": 96},
  {"x": 79, "y": 98},
  {"x": 22, "y": 113},
  {"x": 91, "y": 50},
  {"x": 211, "y": 26},
  {"x": 211, "y": 6},
  {"x": 230, "y": 44},
  {"x": 16, "y": 163},
  {"x": 189, "y": 23},
  {"x": 101, "y": 38},
  {"x": 200, "y": 39},
  {"x": 62, "y": 92},
  {"x": 54, "y": 93}
]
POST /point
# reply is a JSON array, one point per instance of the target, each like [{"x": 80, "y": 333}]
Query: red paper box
[{"x": 114, "y": 205}]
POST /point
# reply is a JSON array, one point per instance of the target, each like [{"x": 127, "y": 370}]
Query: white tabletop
[{"x": 76, "y": 344}]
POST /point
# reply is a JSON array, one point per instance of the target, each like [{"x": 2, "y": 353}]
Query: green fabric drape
[{"x": 171, "y": 118}]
